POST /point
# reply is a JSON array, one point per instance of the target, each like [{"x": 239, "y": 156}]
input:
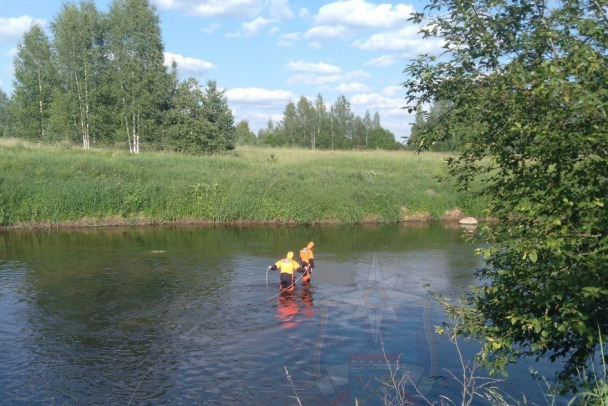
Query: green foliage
[
  {"x": 219, "y": 115},
  {"x": 449, "y": 135},
  {"x": 198, "y": 120},
  {"x": 77, "y": 37},
  {"x": 244, "y": 136},
  {"x": 35, "y": 78},
  {"x": 7, "y": 120},
  {"x": 102, "y": 81},
  {"x": 44, "y": 184},
  {"x": 309, "y": 125},
  {"x": 380, "y": 138},
  {"x": 5, "y": 217},
  {"x": 532, "y": 78}
]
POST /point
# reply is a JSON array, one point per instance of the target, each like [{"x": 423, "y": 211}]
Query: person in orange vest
[
  {"x": 288, "y": 268},
  {"x": 307, "y": 258}
]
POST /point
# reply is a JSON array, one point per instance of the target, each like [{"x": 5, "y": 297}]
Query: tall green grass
[{"x": 45, "y": 184}]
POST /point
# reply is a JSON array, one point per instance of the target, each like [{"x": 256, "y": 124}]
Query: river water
[{"x": 190, "y": 316}]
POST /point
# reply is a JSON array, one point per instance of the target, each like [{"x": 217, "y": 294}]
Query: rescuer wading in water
[
  {"x": 288, "y": 267},
  {"x": 308, "y": 261}
]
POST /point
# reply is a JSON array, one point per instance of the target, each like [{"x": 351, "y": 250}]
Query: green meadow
[{"x": 43, "y": 185}]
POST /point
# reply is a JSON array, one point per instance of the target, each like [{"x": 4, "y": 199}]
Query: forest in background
[{"x": 99, "y": 79}]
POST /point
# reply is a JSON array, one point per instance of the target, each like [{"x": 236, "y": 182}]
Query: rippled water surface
[{"x": 189, "y": 316}]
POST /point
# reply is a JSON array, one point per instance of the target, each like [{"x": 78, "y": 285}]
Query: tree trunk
[
  {"x": 40, "y": 105},
  {"x": 83, "y": 124}
]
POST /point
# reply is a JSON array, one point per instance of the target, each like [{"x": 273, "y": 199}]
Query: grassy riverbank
[{"x": 43, "y": 185}]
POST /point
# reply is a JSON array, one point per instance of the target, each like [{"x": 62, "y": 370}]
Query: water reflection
[
  {"x": 295, "y": 306},
  {"x": 184, "y": 316}
]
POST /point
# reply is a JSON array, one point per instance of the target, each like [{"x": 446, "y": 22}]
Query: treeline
[
  {"x": 101, "y": 80},
  {"x": 315, "y": 126}
]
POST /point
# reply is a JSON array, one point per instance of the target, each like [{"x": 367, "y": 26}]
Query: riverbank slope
[{"x": 49, "y": 186}]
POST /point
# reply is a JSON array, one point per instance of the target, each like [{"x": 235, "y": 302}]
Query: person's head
[
  {"x": 311, "y": 244},
  {"x": 290, "y": 255}
]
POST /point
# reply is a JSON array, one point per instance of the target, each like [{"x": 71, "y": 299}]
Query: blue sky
[{"x": 268, "y": 52}]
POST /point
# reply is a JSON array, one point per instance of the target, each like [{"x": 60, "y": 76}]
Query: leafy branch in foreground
[{"x": 531, "y": 76}]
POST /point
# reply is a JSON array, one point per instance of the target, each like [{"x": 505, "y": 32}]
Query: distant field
[{"x": 44, "y": 185}]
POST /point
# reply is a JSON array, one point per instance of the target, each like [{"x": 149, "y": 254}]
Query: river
[{"x": 190, "y": 316}]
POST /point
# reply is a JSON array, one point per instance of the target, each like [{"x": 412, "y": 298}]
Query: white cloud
[
  {"x": 352, "y": 87},
  {"x": 277, "y": 9},
  {"x": 12, "y": 29},
  {"x": 211, "y": 28},
  {"x": 280, "y": 9},
  {"x": 303, "y": 13},
  {"x": 288, "y": 39},
  {"x": 392, "y": 90},
  {"x": 359, "y": 13},
  {"x": 314, "y": 67},
  {"x": 214, "y": 8},
  {"x": 323, "y": 80},
  {"x": 381, "y": 61},
  {"x": 325, "y": 32},
  {"x": 253, "y": 27},
  {"x": 315, "y": 45},
  {"x": 189, "y": 66},
  {"x": 405, "y": 40},
  {"x": 375, "y": 101},
  {"x": 258, "y": 95}
]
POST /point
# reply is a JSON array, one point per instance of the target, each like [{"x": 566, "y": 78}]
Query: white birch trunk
[
  {"x": 86, "y": 108},
  {"x": 128, "y": 134},
  {"x": 40, "y": 105},
  {"x": 83, "y": 128}
]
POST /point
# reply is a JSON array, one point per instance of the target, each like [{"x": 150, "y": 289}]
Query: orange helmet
[{"x": 311, "y": 244}]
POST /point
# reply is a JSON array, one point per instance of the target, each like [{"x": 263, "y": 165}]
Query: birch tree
[
  {"x": 306, "y": 122},
  {"x": 77, "y": 33},
  {"x": 35, "y": 78},
  {"x": 139, "y": 76},
  {"x": 320, "y": 118}
]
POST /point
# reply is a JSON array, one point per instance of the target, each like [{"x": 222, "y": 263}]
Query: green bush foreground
[{"x": 53, "y": 185}]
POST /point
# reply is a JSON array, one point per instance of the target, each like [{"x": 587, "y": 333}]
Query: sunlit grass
[{"x": 57, "y": 184}]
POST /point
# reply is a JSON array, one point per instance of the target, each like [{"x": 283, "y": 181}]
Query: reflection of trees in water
[{"x": 106, "y": 305}]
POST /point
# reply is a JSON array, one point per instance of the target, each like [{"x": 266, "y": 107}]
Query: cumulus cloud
[
  {"x": 405, "y": 40},
  {"x": 389, "y": 106},
  {"x": 280, "y": 9},
  {"x": 317, "y": 79},
  {"x": 392, "y": 90},
  {"x": 359, "y": 13},
  {"x": 288, "y": 39},
  {"x": 211, "y": 28},
  {"x": 214, "y": 8},
  {"x": 314, "y": 67},
  {"x": 258, "y": 95},
  {"x": 189, "y": 66},
  {"x": 381, "y": 61},
  {"x": 327, "y": 32},
  {"x": 315, "y": 45},
  {"x": 352, "y": 87},
  {"x": 12, "y": 29},
  {"x": 276, "y": 9},
  {"x": 253, "y": 27}
]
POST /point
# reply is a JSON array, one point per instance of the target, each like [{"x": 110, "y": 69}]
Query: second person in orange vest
[
  {"x": 288, "y": 267},
  {"x": 308, "y": 261}
]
